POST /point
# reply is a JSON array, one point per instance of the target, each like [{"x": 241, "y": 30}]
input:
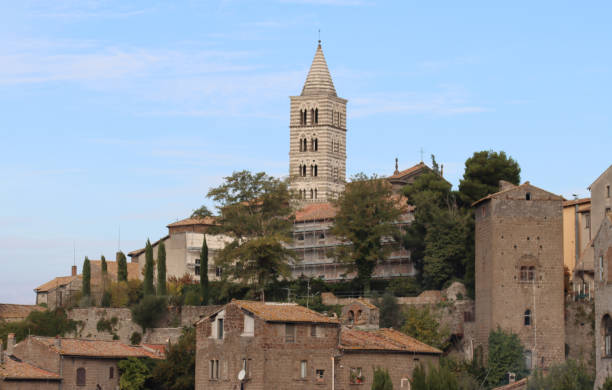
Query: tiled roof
[
  {"x": 521, "y": 384},
  {"x": 382, "y": 340},
  {"x": 158, "y": 349},
  {"x": 8, "y": 310},
  {"x": 408, "y": 171},
  {"x": 94, "y": 348},
  {"x": 363, "y": 301},
  {"x": 573, "y": 202},
  {"x": 283, "y": 312},
  {"x": 137, "y": 252},
  {"x": 315, "y": 212},
  {"x": 319, "y": 81},
  {"x": 13, "y": 368},
  {"x": 57, "y": 282},
  {"x": 194, "y": 221},
  {"x": 525, "y": 184}
]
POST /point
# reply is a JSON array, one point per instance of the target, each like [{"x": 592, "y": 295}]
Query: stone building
[
  {"x": 256, "y": 345},
  {"x": 16, "y": 374},
  {"x": 602, "y": 250},
  {"x": 317, "y": 152},
  {"x": 601, "y": 200},
  {"x": 13, "y": 313},
  {"x": 183, "y": 244},
  {"x": 80, "y": 364},
  {"x": 519, "y": 271}
]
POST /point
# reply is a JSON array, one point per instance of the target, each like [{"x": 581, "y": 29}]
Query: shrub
[
  {"x": 570, "y": 375},
  {"x": 390, "y": 311},
  {"x": 148, "y": 311},
  {"x": 135, "y": 338},
  {"x": 134, "y": 374},
  {"x": 177, "y": 372},
  {"x": 423, "y": 325},
  {"x": 106, "y": 299},
  {"x": 134, "y": 291},
  {"x": 40, "y": 323},
  {"x": 119, "y": 293},
  {"x": 506, "y": 354},
  {"x": 382, "y": 380}
]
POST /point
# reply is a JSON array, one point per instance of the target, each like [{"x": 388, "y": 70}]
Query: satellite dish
[{"x": 241, "y": 375}]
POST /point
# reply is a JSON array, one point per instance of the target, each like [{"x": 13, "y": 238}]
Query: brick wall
[{"x": 29, "y": 385}]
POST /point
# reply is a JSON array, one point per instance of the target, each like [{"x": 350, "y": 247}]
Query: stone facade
[
  {"x": 317, "y": 152},
  {"x": 361, "y": 314},
  {"x": 601, "y": 198},
  {"x": 519, "y": 271},
  {"x": 602, "y": 245}
]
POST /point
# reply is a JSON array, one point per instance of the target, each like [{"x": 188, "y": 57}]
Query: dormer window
[
  {"x": 220, "y": 328},
  {"x": 217, "y": 331}
]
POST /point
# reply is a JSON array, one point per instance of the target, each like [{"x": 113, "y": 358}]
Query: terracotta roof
[
  {"x": 315, "y": 212},
  {"x": 521, "y": 384},
  {"x": 94, "y": 348},
  {"x": 57, "y": 282},
  {"x": 158, "y": 349},
  {"x": 137, "y": 252},
  {"x": 525, "y": 184},
  {"x": 364, "y": 301},
  {"x": 408, "y": 171},
  {"x": 8, "y": 310},
  {"x": 194, "y": 221},
  {"x": 318, "y": 81},
  {"x": 283, "y": 312},
  {"x": 383, "y": 340},
  {"x": 14, "y": 368},
  {"x": 573, "y": 202}
]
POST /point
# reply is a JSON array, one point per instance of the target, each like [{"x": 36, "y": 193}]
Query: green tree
[
  {"x": 134, "y": 373},
  {"x": 122, "y": 273},
  {"x": 381, "y": 380},
  {"x": 390, "y": 311},
  {"x": 161, "y": 269},
  {"x": 423, "y": 325},
  {"x": 86, "y": 290},
  {"x": 419, "y": 378},
  {"x": 148, "y": 311},
  {"x": 506, "y": 354},
  {"x": 105, "y": 282},
  {"x": 204, "y": 272},
  {"x": 202, "y": 212},
  {"x": 177, "y": 371},
  {"x": 255, "y": 212},
  {"x": 367, "y": 216},
  {"x": 149, "y": 288},
  {"x": 435, "y": 378},
  {"x": 48, "y": 323},
  {"x": 482, "y": 174},
  {"x": 569, "y": 375}
]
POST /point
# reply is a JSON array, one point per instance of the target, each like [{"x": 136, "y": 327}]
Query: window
[
  {"x": 313, "y": 331},
  {"x": 80, "y": 376},
  {"x": 312, "y": 116},
  {"x": 290, "y": 333},
  {"x": 351, "y": 317},
  {"x": 523, "y": 275},
  {"x": 316, "y": 115},
  {"x": 214, "y": 369},
  {"x": 305, "y": 117},
  {"x": 527, "y": 317},
  {"x": 311, "y": 194},
  {"x": 607, "y": 211},
  {"x": 356, "y": 375},
  {"x": 528, "y": 196},
  {"x": 315, "y": 193},
  {"x": 197, "y": 266},
  {"x": 320, "y": 375},
  {"x": 304, "y": 170},
  {"x": 321, "y": 236},
  {"x": 303, "y": 369},
  {"x": 531, "y": 274},
  {"x": 607, "y": 330},
  {"x": 316, "y": 170},
  {"x": 528, "y": 359},
  {"x": 601, "y": 268},
  {"x": 527, "y": 274},
  {"x": 220, "y": 328},
  {"x": 111, "y": 373},
  {"x": 608, "y": 191},
  {"x": 484, "y": 211},
  {"x": 218, "y": 271},
  {"x": 249, "y": 326},
  {"x": 305, "y": 145},
  {"x": 587, "y": 220}
]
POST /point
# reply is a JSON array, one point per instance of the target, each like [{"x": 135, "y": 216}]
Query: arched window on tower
[
  {"x": 316, "y": 144},
  {"x": 312, "y": 114},
  {"x": 316, "y": 116},
  {"x": 301, "y": 146},
  {"x": 332, "y": 116},
  {"x": 311, "y": 194},
  {"x": 305, "y": 145},
  {"x": 316, "y": 170},
  {"x": 315, "y": 193},
  {"x": 527, "y": 317},
  {"x": 304, "y": 170},
  {"x": 304, "y": 117}
]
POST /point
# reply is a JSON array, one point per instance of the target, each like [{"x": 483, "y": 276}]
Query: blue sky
[{"x": 118, "y": 114}]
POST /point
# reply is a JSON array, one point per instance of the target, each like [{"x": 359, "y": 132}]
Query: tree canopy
[
  {"x": 122, "y": 273},
  {"x": 367, "y": 223},
  {"x": 86, "y": 278},
  {"x": 255, "y": 212},
  {"x": 506, "y": 354}
]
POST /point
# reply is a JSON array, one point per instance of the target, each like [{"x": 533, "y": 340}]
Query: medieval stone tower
[
  {"x": 519, "y": 271},
  {"x": 317, "y": 151}
]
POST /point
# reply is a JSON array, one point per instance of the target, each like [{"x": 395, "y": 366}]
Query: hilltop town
[{"x": 319, "y": 281}]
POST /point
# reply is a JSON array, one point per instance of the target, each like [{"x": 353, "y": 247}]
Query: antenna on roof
[
  {"x": 319, "y": 37},
  {"x": 421, "y": 154}
]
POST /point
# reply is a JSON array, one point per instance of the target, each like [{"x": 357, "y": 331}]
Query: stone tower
[
  {"x": 317, "y": 150},
  {"x": 519, "y": 271}
]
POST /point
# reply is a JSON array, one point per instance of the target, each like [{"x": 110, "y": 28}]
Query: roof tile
[
  {"x": 94, "y": 348},
  {"x": 13, "y": 368},
  {"x": 284, "y": 312},
  {"x": 382, "y": 340}
]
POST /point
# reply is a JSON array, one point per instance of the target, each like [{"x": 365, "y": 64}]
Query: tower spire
[{"x": 319, "y": 81}]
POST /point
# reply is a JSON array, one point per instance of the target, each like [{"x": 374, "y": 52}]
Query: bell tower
[{"x": 317, "y": 150}]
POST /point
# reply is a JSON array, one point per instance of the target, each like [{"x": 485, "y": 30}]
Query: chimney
[
  {"x": 504, "y": 185},
  {"x": 10, "y": 343},
  {"x": 74, "y": 270}
]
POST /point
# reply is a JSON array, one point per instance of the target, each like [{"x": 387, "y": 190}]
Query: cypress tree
[
  {"x": 382, "y": 380},
  {"x": 204, "y": 272},
  {"x": 149, "y": 288},
  {"x": 103, "y": 265},
  {"x": 161, "y": 269},
  {"x": 86, "y": 278},
  {"x": 122, "y": 273}
]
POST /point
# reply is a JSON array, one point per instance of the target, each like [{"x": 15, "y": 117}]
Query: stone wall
[{"x": 580, "y": 332}]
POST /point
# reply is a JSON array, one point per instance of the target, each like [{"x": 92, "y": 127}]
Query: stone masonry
[
  {"x": 602, "y": 245},
  {"x": 519, "y": 271}
]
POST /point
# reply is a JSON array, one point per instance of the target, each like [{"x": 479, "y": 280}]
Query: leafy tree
[
  {"x": 202, "y": 212},
  {"x": 177, "y": 372},
  {"x": 390, "y": 311},
  {"x": 135, "y": 291},
  {"x": 381, "y": 380},
  {"x": 255, "y": 212},
  {"x": 569, "y": 375},
  {"x": 48, "y": 323},
  {"x": 119, "y": 296},
  {"x": 435, "y": 378},
  {"x": 423, "y": 325},
  {"x": 419, "y": 378},
  {"x": 106, "y": 299},
  {"x": 161, "y": 269},
  {"x": 122, "y": 273},
  {"x": 204, "y": 272},
  {"x": 367, "y": 212},
  {"x": 148, "y": 311},
  {"x": 506, "y": 354},
  {"x": 86, "y": 278},
  {"x": 482, "y": 174},
  {"x": 149, "y": 288},
  {"x": 134, "y": 373}
]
